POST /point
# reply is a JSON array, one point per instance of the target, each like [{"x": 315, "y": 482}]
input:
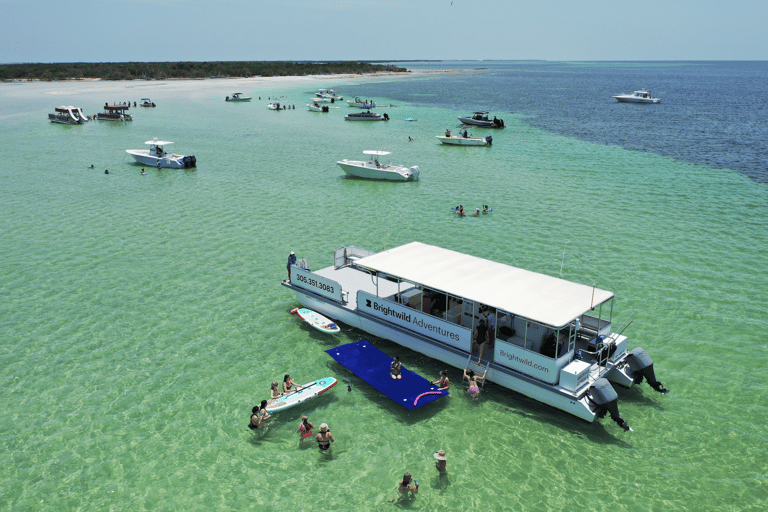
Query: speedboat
[
  {"x": 328, "y": 93},
  {"x": 545, "y": 337},
  {"x": 316, "y": 107},
  {"x": 320, "y": 99},
  {"x": 373, "y": 170},
  {"x": 114, "y": 113},
  {"x": 361, "y": 103},
  {"x": 462, "y": 139},
  {"x": 366, "y": 115},
  {"x": 641, "y": 96},
  {"x": 157, "y": 156},
  {"x": 276, "y": 106},
  {"x": 237, "y": 96},
  {"x": 481, "y": 119},
  {"x": 68, "y": 115},
  {"x": 145, "y": 102}
]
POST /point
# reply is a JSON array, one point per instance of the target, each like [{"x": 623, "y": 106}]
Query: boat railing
[{"x": 344, "y": 256}]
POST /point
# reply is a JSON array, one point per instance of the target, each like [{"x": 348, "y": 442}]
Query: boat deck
[{"x": 353, "y": 279}]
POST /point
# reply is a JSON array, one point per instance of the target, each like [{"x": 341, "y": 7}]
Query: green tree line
[{"x": 166, "y": 70}]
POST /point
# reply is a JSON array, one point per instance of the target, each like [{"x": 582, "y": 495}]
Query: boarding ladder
[{"x": 478, "y": 368}]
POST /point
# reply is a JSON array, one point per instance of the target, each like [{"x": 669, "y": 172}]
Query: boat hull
[
  {"x": 462, "y": 141},
  {"x": 360, "y": 169},
  {"x": 171, "y": 161},
  {"x": 634, "y": 99}
]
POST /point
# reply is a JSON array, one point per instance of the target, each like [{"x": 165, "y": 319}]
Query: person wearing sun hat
[
  {"x": 441, "y": 462},
  {"x": 324, "y": 438}
]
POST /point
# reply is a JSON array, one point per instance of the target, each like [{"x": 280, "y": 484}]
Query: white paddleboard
[
  {"x": 304, "y": 393},
  {"x": 317, "y": 320}
]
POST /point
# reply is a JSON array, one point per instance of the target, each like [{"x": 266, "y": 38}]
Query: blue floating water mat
[{"x": 372, "y": 365}]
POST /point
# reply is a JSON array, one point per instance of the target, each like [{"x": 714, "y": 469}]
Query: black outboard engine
[
  {"x": 489, "y": 139},
  {"x": 227, "y": 98},
  {"x": 605, "y": 398},
  {"x": 386, "y": 117},
  {"x": 641, "y": 365}
]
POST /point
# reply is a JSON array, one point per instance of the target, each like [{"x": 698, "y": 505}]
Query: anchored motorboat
[
  {"x": 329, "y": 93},
  {"x": 114, "y": 113},
  {"x": 373, "y": 169},
  {"x": 237, "y": 96},
  {"x": 542, "y": 336},
  {"x": 481, "y": 119},
  {"x": 146, "y": 102},
  {"x": 463, "y": 139},
  {"x": 316, "y": 107},
  {"x": 157, "y": 156},
  {"x": 275, "y": 106},
  {"x": 68, "y": 115},
  {"x": 365, "y": 114},
  {"x": 641, "y": 96},
  {"x": 361, "y": 103}
]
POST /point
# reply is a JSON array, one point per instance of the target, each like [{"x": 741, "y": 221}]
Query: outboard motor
[
  {"x": 605, "y": 398},
  {"x": 227, "y": 98},
  {"x": 489, "y": 140},
  {"x": 386, "y": 117},
  {"x": 641, "y": 365}
]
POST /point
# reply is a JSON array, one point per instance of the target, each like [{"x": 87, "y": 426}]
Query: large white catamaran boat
[{"x": 547, "y": 338}]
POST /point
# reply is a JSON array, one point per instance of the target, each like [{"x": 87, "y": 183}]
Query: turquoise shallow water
[{"x": 142, "y": 316}]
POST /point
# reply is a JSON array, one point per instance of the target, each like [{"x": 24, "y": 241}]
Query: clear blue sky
[{"x": 205, "y": 30}]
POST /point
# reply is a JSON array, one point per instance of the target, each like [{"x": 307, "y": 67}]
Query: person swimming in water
[{"x": 474, "y": 389}]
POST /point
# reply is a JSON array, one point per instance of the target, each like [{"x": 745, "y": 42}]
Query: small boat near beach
[
  {"x": 157, "y": 156},
  {"x": 361, "y": 103},
  {"x": 463, "y": 139},
  {"x": 641, "y": 96},
  {"x": 372, "y": 169},
  {"x": 366, "y": 115},
  {"x": 481, "y": 119},
  {"x": 68, "y": 115},
  {"x": 316, "y": 107},
  {"x": 146, "y": 102},
  {"x": 276, "y": 106},
  {"x": 329, "y": 94},
  {"x": 542, "y": 336},
  {"x": 237, "y": 96},
  {"x": 115, "y": 113}
]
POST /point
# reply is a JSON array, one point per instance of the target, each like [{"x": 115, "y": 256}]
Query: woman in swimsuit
[
  {"x": 394, "y": 368},
  {"x": 443, "y": 383},
  {"x": 274, "y": 392},
  {"x": 405, "y": 486},
  {"x": 288, "y": 384},
  {"x": 474, "y": 389},
  {"x": 324, "y": 438},
  {"x": 263, "y": 411},
  {"x": 255, "y": 419},
  {"x": 478, "y": 337},
  {"x": 305, "y": 428}
]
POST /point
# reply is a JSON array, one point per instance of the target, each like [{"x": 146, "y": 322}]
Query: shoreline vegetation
[{"x": 114, "y": 71}]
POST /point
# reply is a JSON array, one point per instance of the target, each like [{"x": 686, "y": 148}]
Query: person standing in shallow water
[
  {"x": 324, "y": 438},
  {"x": 441, "y": 463}
]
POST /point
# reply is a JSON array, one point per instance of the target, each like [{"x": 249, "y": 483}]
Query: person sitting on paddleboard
[
  {"x": 305, "y": 427},
  {"x": 288, "y": 385},
  {"x": 274, "y": 392},
  {"x": 394, "y": 368},
  {"x": 324, "y": 438}
]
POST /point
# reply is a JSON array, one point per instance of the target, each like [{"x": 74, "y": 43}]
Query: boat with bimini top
[
  {"x": 372, "y": 169},
  {"x": 146, "y": 102},
  {"x": 547, "y": 338},
  {"x": 365, "y": 114},
  {"x": 463, "y": 139},
  {"x": 157, "y": 156},
  {"x": 68, "y": 115},
  {"x": 114, "y": 113},
  {"x": 237, "y": 96}
]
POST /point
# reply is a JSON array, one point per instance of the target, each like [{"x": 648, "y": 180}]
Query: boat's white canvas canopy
[
  {"x": 538, "y": 297},
  {"x": 377, "y": 153},
  {"x": 158, "y": 142}
]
